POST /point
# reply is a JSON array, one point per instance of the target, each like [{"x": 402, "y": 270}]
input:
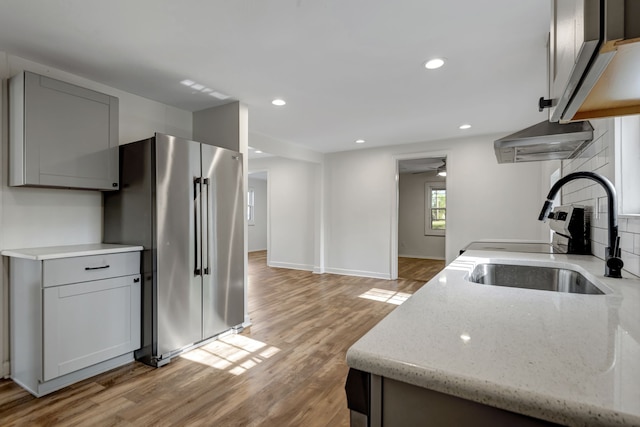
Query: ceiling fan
[{"x": 418, "y": 166}]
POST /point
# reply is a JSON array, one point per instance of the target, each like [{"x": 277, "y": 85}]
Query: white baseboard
[
  {"x": 247, "y": 321},
  {"x": 341, "y": 271},
  {"x": 291, "y": 265},
  {"x": 358, "y": 273},
  {"x": 437, "y": 258},
  {"x": 6, "y": 369}
]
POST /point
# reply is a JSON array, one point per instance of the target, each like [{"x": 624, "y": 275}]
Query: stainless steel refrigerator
[{"x": 183, "y": 201}]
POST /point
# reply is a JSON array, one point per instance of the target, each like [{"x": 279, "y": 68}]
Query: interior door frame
[
  {"x": 395, "y": 207},
  {"x": 268, "y": 197}
]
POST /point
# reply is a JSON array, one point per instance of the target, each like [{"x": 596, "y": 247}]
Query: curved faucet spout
[{"x": 614, "y": 264}]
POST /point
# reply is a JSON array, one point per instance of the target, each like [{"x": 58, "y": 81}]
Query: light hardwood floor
[{"x": 287, "y": 369}]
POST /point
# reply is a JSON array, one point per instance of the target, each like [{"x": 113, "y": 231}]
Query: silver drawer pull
[{"x": 97, "y": 268}]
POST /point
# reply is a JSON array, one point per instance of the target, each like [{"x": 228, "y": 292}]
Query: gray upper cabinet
[
  {"x": 61, "y": 135},
  {"x": 594, "y": 52}
]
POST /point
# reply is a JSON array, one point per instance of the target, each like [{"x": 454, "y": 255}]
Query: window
[
  {"x": 251, "y": 208},
  {"x": 435, "y": 210},
  {"x": 627, "y": 149}
]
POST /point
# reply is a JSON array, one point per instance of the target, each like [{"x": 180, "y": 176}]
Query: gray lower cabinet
[
  {"x": 376, "y": 401},
  {"x": 61, "y": 135},
  {"x": 72, "y": 318}
]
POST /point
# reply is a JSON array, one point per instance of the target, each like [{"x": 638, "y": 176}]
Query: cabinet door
[
  {"x": 87, "y": 323},
  {"x": 573, "y": 39},
  {"x": 70, "y": 135}
]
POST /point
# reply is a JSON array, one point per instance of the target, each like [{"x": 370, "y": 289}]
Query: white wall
[
  {"x": 42, "y": 217},
  {"x": 284, "y": 149},
  {"x": 359, "y": 193},
  {"x": 294, "y": 205},
  {"x": 484, "y": 200},
  {"x": 258, "y": 230},
  {"x": 46, "y": 217},
  {"x": 412, "y": 241}
]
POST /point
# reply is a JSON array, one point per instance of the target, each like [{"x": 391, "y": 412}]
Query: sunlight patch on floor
[
  {"x": 384, "y": 295},
  {"x": 233, "y": 353}
]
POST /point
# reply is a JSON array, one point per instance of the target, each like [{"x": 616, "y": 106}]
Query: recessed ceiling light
[
  {"x": 279, "y": 102},
  {"x": 464, "y": 126},
  {"x": 432, "y": 64},
  {"x": 187, "y": 82},
  {"x": 197, "y": 86},
  {"x": 258, "y": 152},
  {"x": 360, "y": 141}
]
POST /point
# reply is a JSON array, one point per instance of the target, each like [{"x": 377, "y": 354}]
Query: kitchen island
[{"x": 547, "y": 357}]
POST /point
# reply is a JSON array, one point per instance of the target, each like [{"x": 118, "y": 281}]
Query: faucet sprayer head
[{"x": 546, "y": 209}]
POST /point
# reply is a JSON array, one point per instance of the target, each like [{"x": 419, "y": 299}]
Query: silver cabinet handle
[{"x": 97, "y": 268}]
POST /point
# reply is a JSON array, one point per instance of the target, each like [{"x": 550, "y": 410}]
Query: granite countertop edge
[
  {"x": 518, "y": 400},
  {"x": 68, "y": 251}
]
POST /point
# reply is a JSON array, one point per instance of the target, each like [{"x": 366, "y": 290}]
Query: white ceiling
[{"x": 348, "y": 69}]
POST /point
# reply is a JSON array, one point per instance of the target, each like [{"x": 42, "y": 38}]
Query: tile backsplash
[{"x": 599, "y": 157}]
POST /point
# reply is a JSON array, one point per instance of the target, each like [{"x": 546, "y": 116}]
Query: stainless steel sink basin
[{"x": 532, "y": 277}]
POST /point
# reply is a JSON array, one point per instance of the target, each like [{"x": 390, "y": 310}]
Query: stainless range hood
[{"x": 544, "y": 141}]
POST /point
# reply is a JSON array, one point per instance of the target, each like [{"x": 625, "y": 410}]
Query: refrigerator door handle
[
  {"x": 197, "y": 218},
  {"x": 206, "y": 257}
]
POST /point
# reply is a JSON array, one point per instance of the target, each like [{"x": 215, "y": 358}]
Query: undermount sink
[{"x": 533, "y": 277}]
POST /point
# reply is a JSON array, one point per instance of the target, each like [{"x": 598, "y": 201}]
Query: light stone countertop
[
  {"x": 567, "y": 358},
  {"x": 56, "y": 252}
]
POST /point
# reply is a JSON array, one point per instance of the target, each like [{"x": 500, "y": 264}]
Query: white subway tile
[
  {"x": 602, "y": 205},
  {"x": 622, "y": 224},
  {"x": 636, "y": 244},
  {"x": 599, "y": 129},
  {"x": 631, "y": 263},
  {"x": 626, "y": 241},
  {"x": 597, "y": 249},
  {"x": 633, "y": 225},
  {"x": 599, "y": 221},
  {"x": 601, "y": 159},
  {"x": 599, "y": 235},
  {"x": 597, "y": 191}
]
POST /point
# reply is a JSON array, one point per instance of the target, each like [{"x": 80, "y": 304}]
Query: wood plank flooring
[{"x": 287, "y": 369}]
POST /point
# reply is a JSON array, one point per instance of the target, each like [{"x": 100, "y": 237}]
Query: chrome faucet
[{"x": 613, "y": 263}]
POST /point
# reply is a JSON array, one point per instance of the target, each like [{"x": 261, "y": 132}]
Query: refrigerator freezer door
[
  {"x": 223, "y": 259},
  {"x": 179, "y": 288}
]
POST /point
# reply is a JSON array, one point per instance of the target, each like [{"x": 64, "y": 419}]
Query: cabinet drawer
[{"x": 87, "y": 268}]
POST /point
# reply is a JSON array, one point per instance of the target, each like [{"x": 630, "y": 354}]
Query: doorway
[
  {"x": 257, "y": 213},
  {"x": 420, "y": 220}
]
